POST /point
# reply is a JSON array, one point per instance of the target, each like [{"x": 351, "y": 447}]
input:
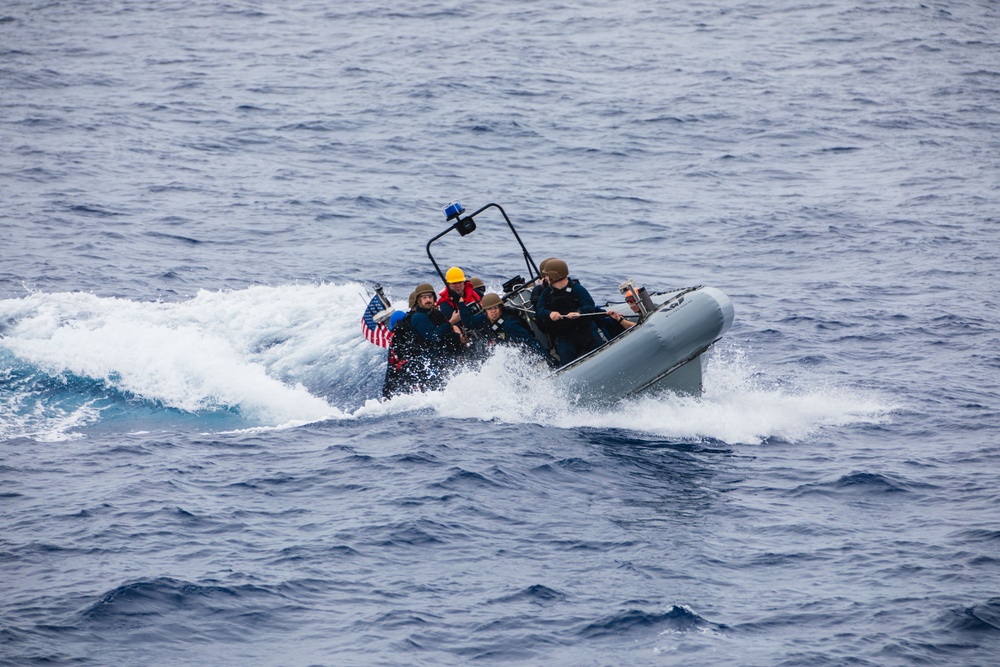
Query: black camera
[{"x": 513, "y": 284}]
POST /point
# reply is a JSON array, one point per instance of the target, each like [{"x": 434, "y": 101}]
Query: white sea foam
[
  {"x": 737, "y": 406},
  {"x": 249, "y": 351},
  {"x": 255, "y": 351}
]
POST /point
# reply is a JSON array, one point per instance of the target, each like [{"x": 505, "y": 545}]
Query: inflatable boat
[{"x": 661, "y": 350}]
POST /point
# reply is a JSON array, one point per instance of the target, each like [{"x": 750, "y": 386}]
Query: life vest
[
  {"x": 471, "y": 296},
  {"x": 564, "y": 300},
  {"x": 414, "y": 363},
  {"x": 416, "y": 346},
  {"x": 496, "y": 332}
]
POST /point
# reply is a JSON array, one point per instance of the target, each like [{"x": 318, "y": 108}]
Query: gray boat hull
[{"x": 663, "y": 352}]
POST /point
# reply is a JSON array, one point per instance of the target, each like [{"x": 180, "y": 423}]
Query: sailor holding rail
[{"x": 560, "y": 305}]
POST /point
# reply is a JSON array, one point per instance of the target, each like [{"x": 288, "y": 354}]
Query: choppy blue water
[{"x": 194, "y": 197}]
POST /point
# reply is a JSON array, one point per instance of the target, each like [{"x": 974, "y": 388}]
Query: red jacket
[{"x": 446, "y": 299}]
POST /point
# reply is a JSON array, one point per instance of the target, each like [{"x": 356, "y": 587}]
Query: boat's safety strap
[{"x": 676, "y": 297}]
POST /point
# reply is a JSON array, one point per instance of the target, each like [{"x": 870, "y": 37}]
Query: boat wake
[
  {"x": 738, "y": 404},
  {"x": 279, "y": 357},
  {"x": 261, "y": 356}
]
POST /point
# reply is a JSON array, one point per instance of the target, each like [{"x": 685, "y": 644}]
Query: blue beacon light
[
  {"x": 453, "y": 210},
  {"x": 464, "y": 226}
]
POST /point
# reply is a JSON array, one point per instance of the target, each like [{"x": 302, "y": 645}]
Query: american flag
[{"x": 375, "y": 332}]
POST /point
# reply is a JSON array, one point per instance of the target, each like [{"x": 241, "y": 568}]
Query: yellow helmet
[{"x": 454, "y": 275}]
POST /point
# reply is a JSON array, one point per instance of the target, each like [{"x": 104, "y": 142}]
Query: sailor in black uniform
[
  {"x": 501, "y": 326},
  {"x": 425, "y": 344},
  {"x": 561, "y": 304}
]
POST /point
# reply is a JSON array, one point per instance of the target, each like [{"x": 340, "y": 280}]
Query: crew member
[
  {"x": 545, "y": 326},
  {"x": 424, "y": 345},
  {"x": 458, "y": 295},
  {"x": 478, "y": 285},
  {"x": 543, "y": 282},
  {"x": 562, "y": 304},
  {"x": 501, "y": 326},
  {"x": 615, "y": 324}
]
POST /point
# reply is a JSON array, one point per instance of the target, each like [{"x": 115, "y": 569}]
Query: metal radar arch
[{"x": 467, "y": 224}]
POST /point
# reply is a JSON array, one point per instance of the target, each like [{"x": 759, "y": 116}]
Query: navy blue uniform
[
  {"x": 423, "y": 347},
  {"x": 573, "y": 337},
  {"x": 507, "y": 330}
]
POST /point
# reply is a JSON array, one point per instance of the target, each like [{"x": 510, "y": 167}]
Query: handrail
[{"x": 462, "y": 223}]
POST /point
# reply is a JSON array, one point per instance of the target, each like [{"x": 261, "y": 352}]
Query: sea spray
[
  {"x": 266, "y": 353},
  {"x": 739, "y": 405}
]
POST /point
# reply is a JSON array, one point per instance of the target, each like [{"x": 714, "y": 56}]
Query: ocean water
[{"x": 197, "y": 197}]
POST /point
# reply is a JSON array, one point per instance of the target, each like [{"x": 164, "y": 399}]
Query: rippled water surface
[{"x": 196, "y": 196}]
